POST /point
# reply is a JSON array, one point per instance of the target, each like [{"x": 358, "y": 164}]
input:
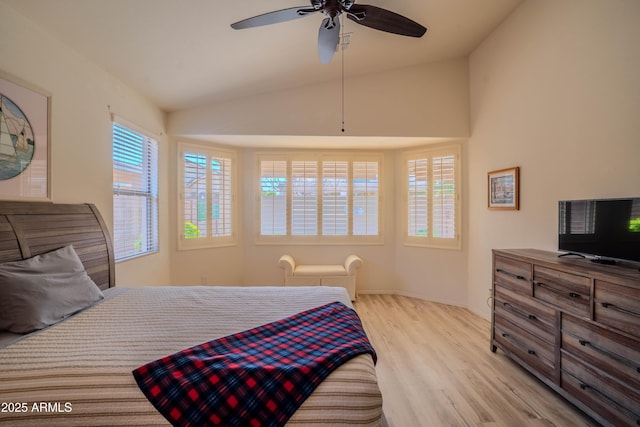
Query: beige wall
[
  {"x": 428, "y": 101},
  {"x": 434, "y": 274},
  {"x": 424, "y": 101},
  {"x": 81, "y": 94},
  {"x": 390, "y": 267},
  {"x": 554, "y": 90}
]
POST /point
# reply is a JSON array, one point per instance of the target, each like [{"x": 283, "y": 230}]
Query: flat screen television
[{"x": 607, "y": 229}]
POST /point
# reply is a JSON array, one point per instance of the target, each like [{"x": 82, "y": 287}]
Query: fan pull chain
[{"x": 342, "y": 57}]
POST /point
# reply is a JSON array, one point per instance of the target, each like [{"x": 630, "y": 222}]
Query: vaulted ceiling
[{"x": 183, "y": 53}]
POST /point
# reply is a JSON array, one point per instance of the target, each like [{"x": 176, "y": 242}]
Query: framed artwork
[
  {"x": 504, "y": 189},
  {"x": 24, "y": 141}
]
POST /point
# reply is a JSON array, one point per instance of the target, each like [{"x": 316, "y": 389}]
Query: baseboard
[{"x": 376, "y": 292}]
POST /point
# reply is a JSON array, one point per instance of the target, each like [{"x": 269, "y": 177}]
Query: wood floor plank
[{"x": 435, "y": 369}]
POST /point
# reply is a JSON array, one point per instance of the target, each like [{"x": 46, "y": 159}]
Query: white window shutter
[
  {"x": 304, "y": 198},
  {"x": 335, "y": 198},
  {"x": 433, "y": 197},
  {"x": 366, "y": 197},
  {"x": 417, "y": 197},
  {"x": 221, "y": 197},
  {"x": 273, "y": 198},
  {"x": 194, "y": 195},
  {"x": 207, "y": 197},
  {"x": 443, "y": 199}
]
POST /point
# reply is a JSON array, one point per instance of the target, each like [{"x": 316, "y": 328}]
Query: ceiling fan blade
[
  {"x": 328, "y": 38},
  {"x": 273, "y": 17},
  {"x": 385, "y": 20}
]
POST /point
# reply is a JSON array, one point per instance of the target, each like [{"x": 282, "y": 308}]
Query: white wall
[
  {"x": 554, "y": 90},
  {"x": 81, "y": 169}
]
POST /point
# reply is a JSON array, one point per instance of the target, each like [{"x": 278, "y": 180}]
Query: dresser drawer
[
  {"x": 617, "y": 306},
  {"x": 613, "y": 353},
  {"x": 575, "y": 326},
  {"x": 533, "y": 351},
  {"x": 525, "y": 312},
  {"x": 569, "y": 292},
  {"x": 513, "y": 274},
  {"x": 613, "y": 401}
]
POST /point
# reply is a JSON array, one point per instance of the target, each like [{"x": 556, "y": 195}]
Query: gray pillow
[{"x": 43, "y": 290}]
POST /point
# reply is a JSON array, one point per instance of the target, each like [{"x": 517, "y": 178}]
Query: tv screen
[{"x": 604, "y": 228}]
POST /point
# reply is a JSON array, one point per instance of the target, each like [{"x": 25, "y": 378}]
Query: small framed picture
[{"x": 504, "y": 189}]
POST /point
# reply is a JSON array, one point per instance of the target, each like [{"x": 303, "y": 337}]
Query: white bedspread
[{"x": 79, "y": 371}]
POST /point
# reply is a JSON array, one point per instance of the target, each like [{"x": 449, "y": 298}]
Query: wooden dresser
[{"x": 573, "y": 324}]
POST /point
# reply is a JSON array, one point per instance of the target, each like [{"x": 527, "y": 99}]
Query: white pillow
[{"x": 43, "y": 290}]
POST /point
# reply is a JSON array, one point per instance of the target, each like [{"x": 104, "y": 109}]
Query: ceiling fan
[{"x": 329, "y": 33}]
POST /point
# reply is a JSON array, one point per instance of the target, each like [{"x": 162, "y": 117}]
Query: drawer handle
[
  {"x": 519, "y": 311},
  {"x": 609, "y": 400},
  {"x": 620, "y": 309},
  {"x": 610, "y": 354},
  {"x": 556, "y": 291},
  {"x": 508, "y": 273},
  {"x": 519, "y": 344}
]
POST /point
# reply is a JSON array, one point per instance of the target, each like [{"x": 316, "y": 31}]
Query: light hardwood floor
[{"x": 435, "y": 369}]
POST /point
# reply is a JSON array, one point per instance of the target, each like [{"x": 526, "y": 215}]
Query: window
[
  {"x": 206, "y": 200},
  {"x": 315, "y": 198},
  {"x": 135, "y": 193},
  {"x": 432, "y": 198}
]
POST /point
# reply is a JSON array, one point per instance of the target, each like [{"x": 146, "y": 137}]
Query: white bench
[{"x": 322, "y": 275}]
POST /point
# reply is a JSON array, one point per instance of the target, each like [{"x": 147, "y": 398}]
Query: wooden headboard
[{"x": 31, "y": 228}]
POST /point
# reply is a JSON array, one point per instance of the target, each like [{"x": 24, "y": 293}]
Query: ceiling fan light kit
[{"x": 329, "y": 32}]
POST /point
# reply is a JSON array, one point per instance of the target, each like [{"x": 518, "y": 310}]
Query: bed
[{"x": 79, "y": 370}]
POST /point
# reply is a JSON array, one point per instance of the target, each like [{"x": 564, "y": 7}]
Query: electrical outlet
[{"x": 203, "y": 280}]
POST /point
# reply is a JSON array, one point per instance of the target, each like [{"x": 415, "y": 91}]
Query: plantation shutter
[
  {"x": 417, "y": 197},
  {"x": 221, "y": 197},
  {"x": 207, "y": 195},
  {"x": 365, "y": 198},
  {"x": 335, "y": 200},
  {"x": 194, "y": 195},
  {"x": 135, "y": 193},
  {"x": 273, "y": 197},
  {"x": 304, "y": 198},
  {"x": 312, "y": 200},
  {"x": 443, "y": 198},
  {"x": 432, "y": 198}
]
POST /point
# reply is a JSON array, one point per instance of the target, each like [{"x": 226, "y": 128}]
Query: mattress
[{"x": 78, "y": 372}]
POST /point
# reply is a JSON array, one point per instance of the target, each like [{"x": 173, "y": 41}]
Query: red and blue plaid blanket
[{"x": 258, "y": 377}]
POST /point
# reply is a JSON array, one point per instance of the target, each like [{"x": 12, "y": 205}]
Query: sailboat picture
[{"x": 17, "y": 142}]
